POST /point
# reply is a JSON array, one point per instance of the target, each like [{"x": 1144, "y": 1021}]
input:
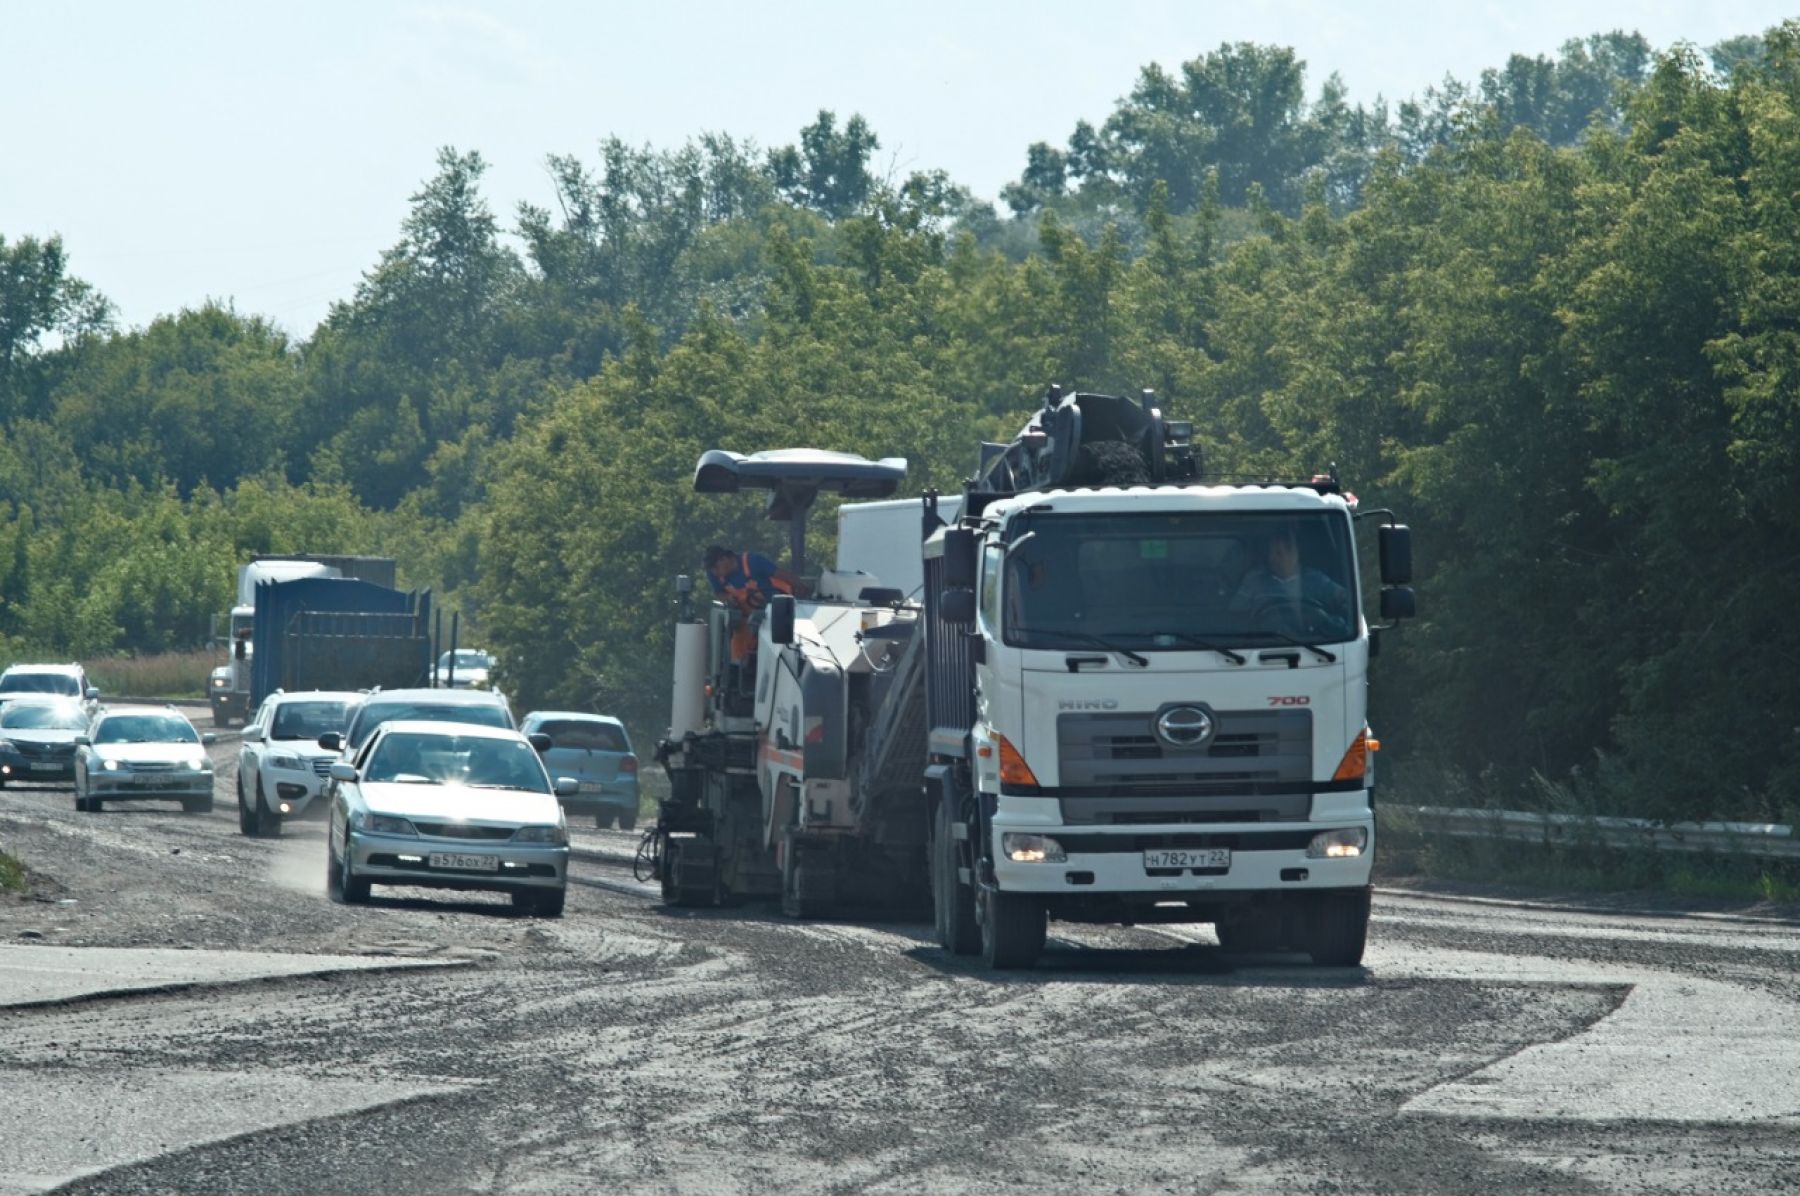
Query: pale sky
[{"x": 264, "y": 154}]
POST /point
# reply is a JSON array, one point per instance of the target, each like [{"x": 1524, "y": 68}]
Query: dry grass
[{"x": 165, "y": 675}]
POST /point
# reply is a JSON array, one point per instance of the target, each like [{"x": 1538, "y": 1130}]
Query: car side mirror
[
  {"x": 332, "y": 741},
  {"x": 1398, "y": 602},
  {"x": 83, "y": 741},
  {"x": 341, "y": 771},
  {"x": 540, "y": 741},
  {"x": 92, "y": 693},
  {"x": 781, "y": 619},
  {"x": 208, "y": 739},
  {"x": 957, "y": 607},
  {"x": 567, "y": 786}
]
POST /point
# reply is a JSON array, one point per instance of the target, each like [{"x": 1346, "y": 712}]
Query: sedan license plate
[
  {"x": 1208, "y": 858},
  {"x": 465, "y": 863},
  {"x": 46, "y": 766},
  {"x": 592, "y": 787}
]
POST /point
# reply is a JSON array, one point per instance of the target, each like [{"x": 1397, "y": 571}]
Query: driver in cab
[{"x": 1281, "y": 584}]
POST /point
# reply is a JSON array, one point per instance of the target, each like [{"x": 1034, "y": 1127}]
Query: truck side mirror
[
  {"x": 1398, "y": 602},
  {"x": 91, "y": 693},
  {"x": 332, "y": 741},
  {"x": 1396, "y": 554},
  {"x": 781, "y": 619},
  {"x": 957, "y": 607},
  {"x": 959, "y": 559}
]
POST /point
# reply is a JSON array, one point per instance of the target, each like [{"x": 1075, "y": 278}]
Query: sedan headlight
[
  {"x": 1032, "y": 849},
  {"x": 289, "y": 763},
  {"x": 112, "y": 766},
  {"x": 198, "y": 763},
  {"x": 1338, "y": 845},
  {"x": 386, "y": 824},
  {"x": 557, "y": 836}
]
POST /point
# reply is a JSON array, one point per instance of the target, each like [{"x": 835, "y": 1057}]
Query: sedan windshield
[
  {"x": 145, "y": 728},
  {"x": 1163, "y": 582},
  {"x": 422, "y": 758},
  {"x": 308, "y": 720},
  {"x": 42, "y": 716}
]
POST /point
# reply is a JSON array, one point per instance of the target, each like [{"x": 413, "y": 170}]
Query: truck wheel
[
  {"x": 1337, "y": 929},
  {"x": 953, "y": 903},
  {"x": 1012, "y": 929},
  {"x": 798, "y": 876},
  {"x": 1251, "y": 932},
  {"x": 628, "y": 822}
]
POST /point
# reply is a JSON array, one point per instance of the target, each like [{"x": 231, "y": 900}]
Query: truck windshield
[{"x": 1158, "y": 582}]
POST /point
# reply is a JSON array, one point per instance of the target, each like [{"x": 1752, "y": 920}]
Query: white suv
[
  {"x": 281, "y": 767},
  {"x": 58, "y": 680}
]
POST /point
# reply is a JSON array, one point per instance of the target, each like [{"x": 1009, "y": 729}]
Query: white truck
[{"x": 1133, "y": 695}]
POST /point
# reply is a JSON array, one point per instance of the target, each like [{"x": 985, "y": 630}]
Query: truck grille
[
  {"x": 1256, "y": 768},
  {"x": 322, "y": 766}
]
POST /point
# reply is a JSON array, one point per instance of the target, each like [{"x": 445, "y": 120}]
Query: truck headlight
[
  {"x": 1338, "y": 845},
  {"x": 387, "y": 824},
  {"x": 218, "y": 682},
  {"x": 556, "y": 836},
  {"x": 1032, "y": 849},
  {"x": 290, "y": 763}
]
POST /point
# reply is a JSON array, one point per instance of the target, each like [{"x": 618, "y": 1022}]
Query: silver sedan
[
  {"x": 143, "y": 753},
  {"x": 448, "y": 806}
]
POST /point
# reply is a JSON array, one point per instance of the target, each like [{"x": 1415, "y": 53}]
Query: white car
[
  {"x": 282, "y": 770},
  {"x": 143, "y": 753},
  {"x": 448, "y": 806},
  {"x": 465, "y": 668}
]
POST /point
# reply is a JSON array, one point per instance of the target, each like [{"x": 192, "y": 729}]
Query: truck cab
[{"x": 1166, "y": 711}]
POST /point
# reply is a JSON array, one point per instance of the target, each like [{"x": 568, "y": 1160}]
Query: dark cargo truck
[{"x": 339, "y": 633}]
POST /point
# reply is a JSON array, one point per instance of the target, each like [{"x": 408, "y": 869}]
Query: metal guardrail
[{"x": 1757, "y": 840}]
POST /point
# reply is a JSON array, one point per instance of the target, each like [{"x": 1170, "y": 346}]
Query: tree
[{"x": 39, "y": 298}]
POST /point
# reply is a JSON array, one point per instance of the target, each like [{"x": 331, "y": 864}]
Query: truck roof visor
[{"x": 798, "y": 476}]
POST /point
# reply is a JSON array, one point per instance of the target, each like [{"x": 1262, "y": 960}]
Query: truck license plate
[
  {"x": 1187, "y": 857},
  {"x": 465, "y": 863},
  {"x": 51, "y": 767}
]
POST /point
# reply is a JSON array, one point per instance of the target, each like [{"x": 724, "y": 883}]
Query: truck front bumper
[{"x": 1106, "y": 860}]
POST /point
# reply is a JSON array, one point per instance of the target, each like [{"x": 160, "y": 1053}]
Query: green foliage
[{"x": 1548, "y": 315}]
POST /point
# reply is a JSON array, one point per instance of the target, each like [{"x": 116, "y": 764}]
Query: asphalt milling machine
[{"x": 1059, "y": 694}]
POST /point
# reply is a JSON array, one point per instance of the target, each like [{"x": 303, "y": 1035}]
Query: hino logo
[
  {"x": 1088, "y": 704},
  {"x": 1185, "y": 726}
]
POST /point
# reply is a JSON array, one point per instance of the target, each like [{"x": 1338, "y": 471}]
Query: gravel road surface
[{"x": 256, "y": 1036}]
